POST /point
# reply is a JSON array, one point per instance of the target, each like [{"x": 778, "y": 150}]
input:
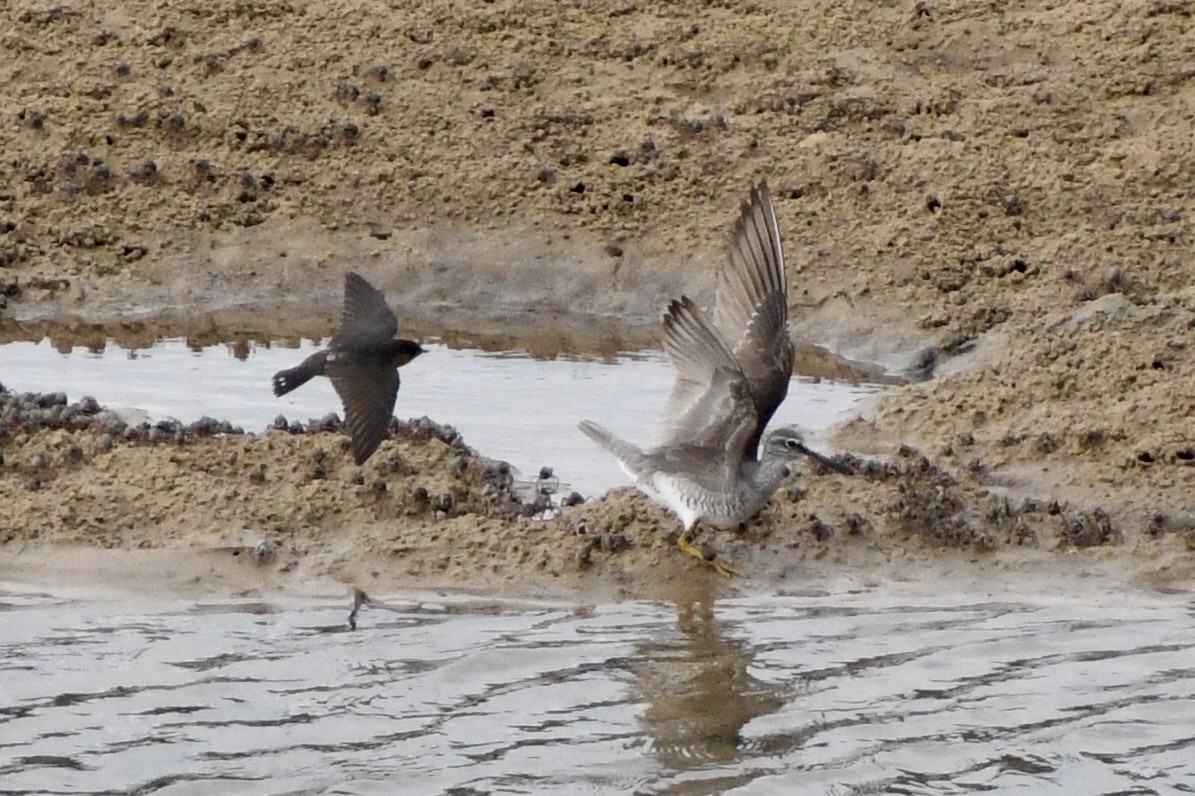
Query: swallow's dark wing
[
  {"x": 368, "y": 392},
  {"x": 751, "y": 307},
  {"x": 366, "y": 319}
]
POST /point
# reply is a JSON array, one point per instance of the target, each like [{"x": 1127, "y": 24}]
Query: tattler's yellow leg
[{"x": 685, "y": 543}]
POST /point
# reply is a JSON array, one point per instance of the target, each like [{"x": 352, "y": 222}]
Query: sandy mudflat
[{"x": 1003, "y": 192}]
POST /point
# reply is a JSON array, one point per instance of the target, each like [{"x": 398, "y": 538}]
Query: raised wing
[
  {"x": 751, "y": 307},
  {"x": 366, "y": 318},
  {"x": 368, "y": 393},
  {"x": 710, "y": 405}
]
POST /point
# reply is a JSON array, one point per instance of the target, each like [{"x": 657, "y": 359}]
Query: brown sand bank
[
  {"x": 1007, "y": 183},
  {"x": 286, "y": 510}
]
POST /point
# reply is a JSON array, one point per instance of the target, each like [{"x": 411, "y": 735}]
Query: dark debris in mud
[
  {"x": 1088, "y": 529},
  {"x": 905, "y": 495},
  {"x": 34, "y": 412},
  {"x": 935, "y": 505},
  {"x": 482, "y": 486}
]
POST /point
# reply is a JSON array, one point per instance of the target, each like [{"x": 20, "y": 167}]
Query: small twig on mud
[{"x": 360, "y": 598}]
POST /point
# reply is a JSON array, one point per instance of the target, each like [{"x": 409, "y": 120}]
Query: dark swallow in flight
[{"x": 362, "y": 362}]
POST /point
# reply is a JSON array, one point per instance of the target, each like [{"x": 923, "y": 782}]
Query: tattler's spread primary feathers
[{"x": 732, "y": 372}]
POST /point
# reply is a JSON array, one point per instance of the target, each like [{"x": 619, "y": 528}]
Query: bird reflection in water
[{"x": 699, "y": 690}]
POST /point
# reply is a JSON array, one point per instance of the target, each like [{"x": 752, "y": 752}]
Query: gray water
[
  {"x": 844, "y": 691},
  {"x": 847, "y": 691},
  {"x": 507, "y": 405}
]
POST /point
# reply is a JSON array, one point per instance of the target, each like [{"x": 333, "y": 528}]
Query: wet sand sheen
[{"x": 507, "y": 405}]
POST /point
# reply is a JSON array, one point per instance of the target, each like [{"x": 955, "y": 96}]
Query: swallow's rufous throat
[{"x": 362, "y": 362}]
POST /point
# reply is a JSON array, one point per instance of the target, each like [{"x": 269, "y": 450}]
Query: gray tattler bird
[
  {"x": 732, "y": 371},
  {"x": 362, "y": 362}
]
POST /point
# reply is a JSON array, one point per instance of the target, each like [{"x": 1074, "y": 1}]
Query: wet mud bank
[
  {"x": 209, "y": 508},
  {"x": 997, "y": 197}
]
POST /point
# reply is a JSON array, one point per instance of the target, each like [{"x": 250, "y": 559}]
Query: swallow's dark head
[{"x": 405, "y": 351}]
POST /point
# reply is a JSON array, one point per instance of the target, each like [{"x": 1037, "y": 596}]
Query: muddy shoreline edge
[
  {"x": 208, "y": 509},
  {"x": 1001, "y": 193}
]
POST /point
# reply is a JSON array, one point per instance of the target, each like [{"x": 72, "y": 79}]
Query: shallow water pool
[{"x": 507, "y": 405}]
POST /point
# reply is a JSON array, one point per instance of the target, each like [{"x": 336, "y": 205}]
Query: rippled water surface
[
  {"x": 839, "y": 693},
  {"x": 507, "y": 405},
  {"x": 879, "y": 690}
]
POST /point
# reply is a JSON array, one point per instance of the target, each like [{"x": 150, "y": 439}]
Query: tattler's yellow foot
[{"x": 685, "y": 543}]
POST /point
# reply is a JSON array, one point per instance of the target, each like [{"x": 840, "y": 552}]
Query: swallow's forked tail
[{"x": 287, "y": 380}]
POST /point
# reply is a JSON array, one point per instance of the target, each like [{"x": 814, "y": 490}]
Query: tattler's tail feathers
[
  {"x": 627, "y": 454},
  {"x": 287, "y": 380}
]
